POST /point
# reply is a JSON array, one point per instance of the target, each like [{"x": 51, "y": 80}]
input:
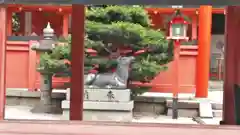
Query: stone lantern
[{"x": 45, "y": 45}]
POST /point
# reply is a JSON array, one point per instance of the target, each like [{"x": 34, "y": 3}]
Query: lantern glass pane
[{"x": 178, "y": 30}]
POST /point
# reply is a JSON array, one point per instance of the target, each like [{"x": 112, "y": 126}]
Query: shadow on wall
[{"x": 237, "y": 103}]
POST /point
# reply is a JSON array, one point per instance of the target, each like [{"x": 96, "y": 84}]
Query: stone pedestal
[
  {"x": 103, "y": 105},
  {"x": 45, "y": 105},
  {"x": 46, "y": 108}
]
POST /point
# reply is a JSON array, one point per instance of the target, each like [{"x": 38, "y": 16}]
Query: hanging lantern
[{"x": 178, "y": 26}]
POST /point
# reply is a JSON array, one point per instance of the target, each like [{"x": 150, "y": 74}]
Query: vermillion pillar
[
  {"x": 194, "y": 27},
  {"x": 232, "y": 63},
  {"x": 9, "y": 23},
  {"x": 204, "y": 45},
  {"x": 77, "y": 63},
  {"x": 65, "y": 25},
  {"x": 3, "y": 32}
]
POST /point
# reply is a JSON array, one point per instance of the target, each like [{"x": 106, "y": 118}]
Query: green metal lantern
[
  {"x": 178, "y": 27},
  {"x": 178, "y": 30}
]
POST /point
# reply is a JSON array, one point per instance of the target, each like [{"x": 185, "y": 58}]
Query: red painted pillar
[
  {"x": 77, "y": 53},
  {"x": 204, "y": 45},
  {"x": 232, "y": 62},
  {"x": 175, "y": 85},
  {"x": 9, "y": 23},
  {"x": 156, "y": 19},
  {"x": 194, "y": 27},
  {"x": 3, "y": 32},
  {"x": 65, "y": 25}
]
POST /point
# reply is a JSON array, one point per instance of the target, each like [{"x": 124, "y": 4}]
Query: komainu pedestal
[{"x": 103, "y": 105}]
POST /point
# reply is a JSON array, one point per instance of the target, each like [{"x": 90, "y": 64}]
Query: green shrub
[{"x": 118, "y": 27}]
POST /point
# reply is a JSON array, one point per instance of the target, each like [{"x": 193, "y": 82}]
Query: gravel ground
[{"x": 23, "y": 113}]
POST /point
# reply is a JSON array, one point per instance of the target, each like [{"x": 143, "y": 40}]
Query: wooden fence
[{"x": 21, "y": 69}]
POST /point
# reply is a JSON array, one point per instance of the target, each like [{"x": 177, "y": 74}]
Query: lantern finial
[
  {"x": 177, "y": 12},
  {"x": 48, "y": 31}
]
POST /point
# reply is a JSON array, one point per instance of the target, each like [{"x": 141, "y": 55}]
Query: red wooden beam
[
  {"x": 3, "y": 32},
  {"x": 68, "y": 9},
  {"x": 54, "y": 8},
  {"x": 184, "y": 10},
  {"x": 77, "y": 63}
]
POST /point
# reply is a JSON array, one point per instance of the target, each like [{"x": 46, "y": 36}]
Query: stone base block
[
  {"x": 184, "y": 112},
  {"x": 217, "y": 106},
  {"x": 43, "y": 108},
  {"x": 108, "y": 106},
  {"x": 102, "y": 111},
  {"x": 184, "y": 104},
  {"x": 217, "y": 113},
  {"x": 98, "y": 115},
  {"x": 149, "y": 109},
  {"x": 105, "y": 95}
]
